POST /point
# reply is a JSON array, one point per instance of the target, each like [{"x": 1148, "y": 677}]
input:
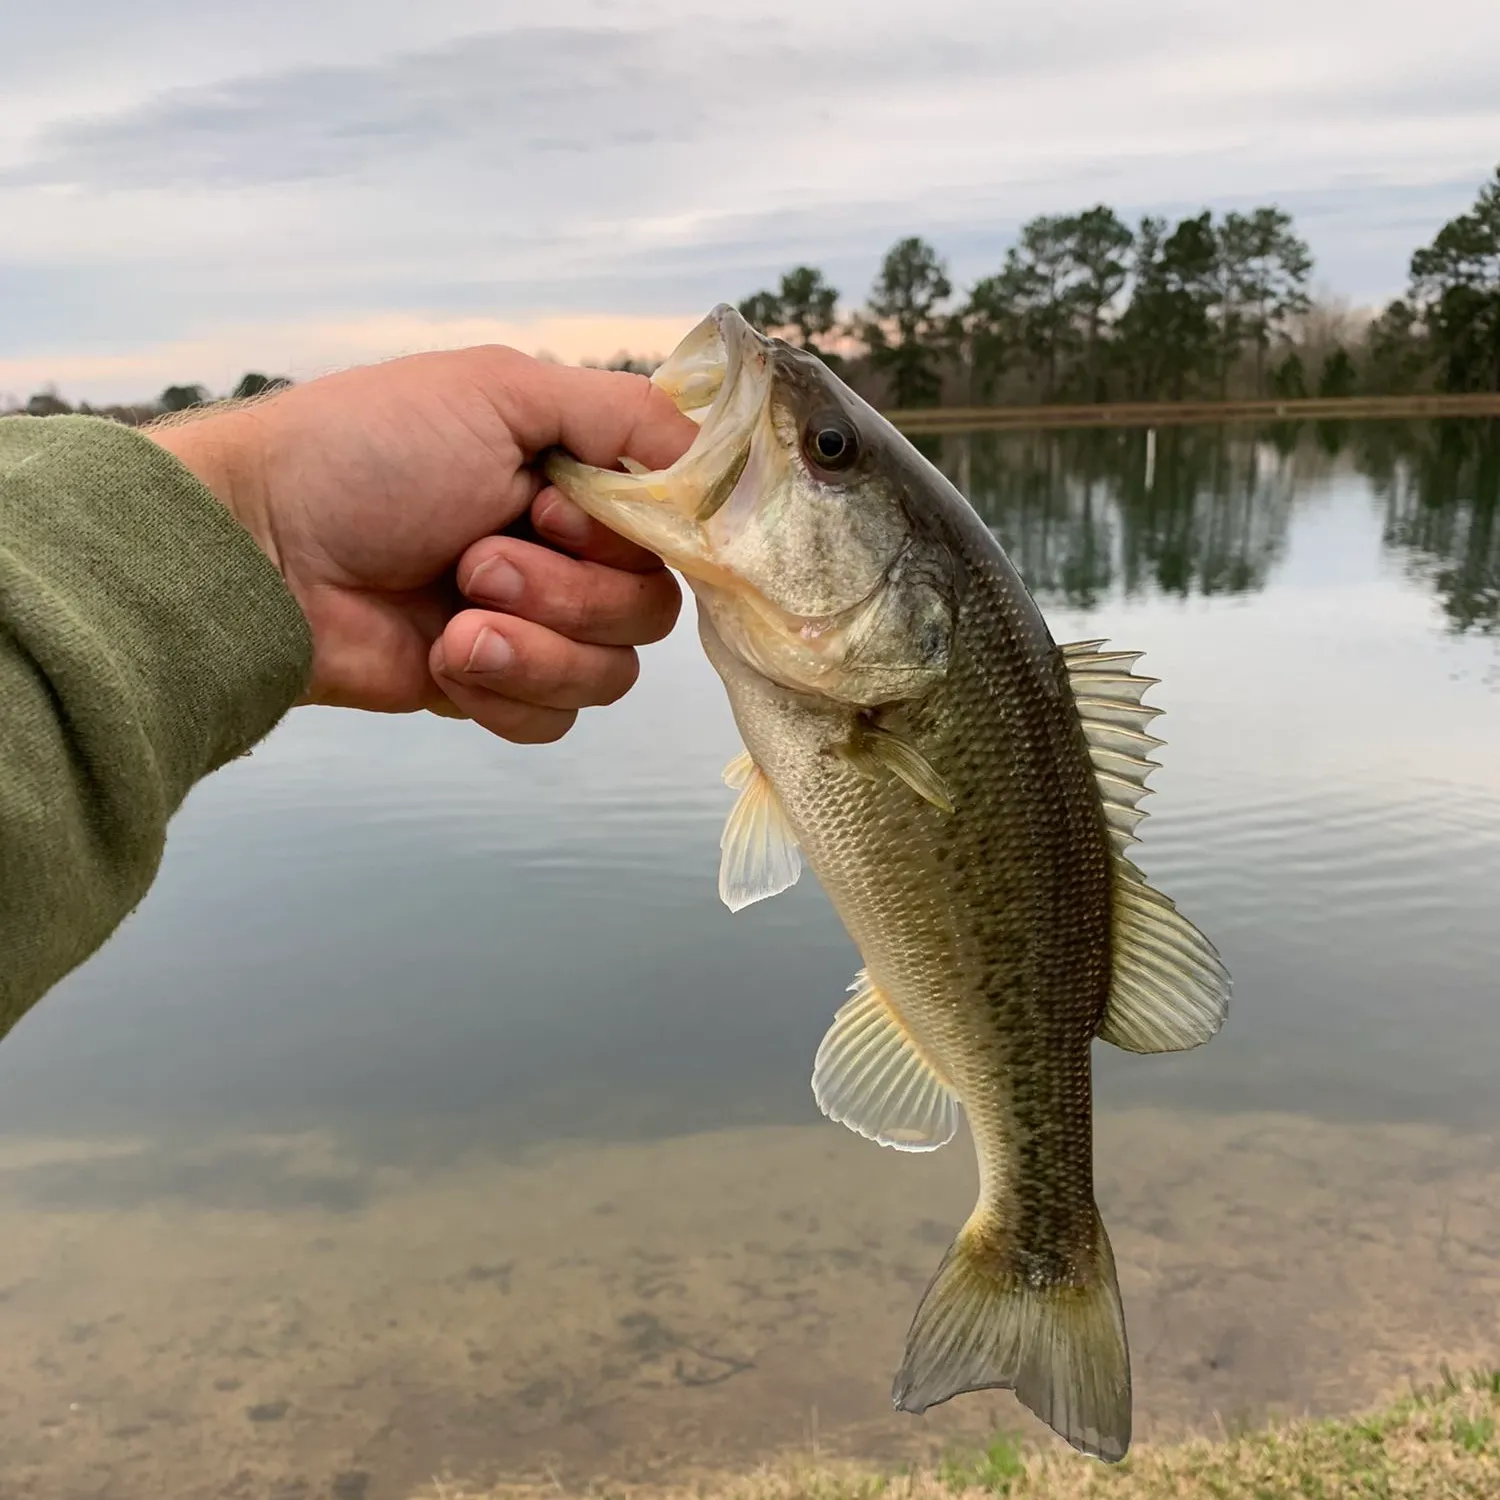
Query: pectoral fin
[
  {"x": 874, "y": 751},
  {"x": 871, "y": 1076},
  {"x": 760, "y": 853}
]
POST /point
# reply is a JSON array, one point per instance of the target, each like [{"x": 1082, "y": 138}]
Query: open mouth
[
  {"x": 718, "y": 375},
  {"x": 705, "y": 364}
]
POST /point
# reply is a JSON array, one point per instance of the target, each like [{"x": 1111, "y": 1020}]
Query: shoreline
[
  {"x": 1436, "y": 1442},
  {"x": 936, "y": 420}
]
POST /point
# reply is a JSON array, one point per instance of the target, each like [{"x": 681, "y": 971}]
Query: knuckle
[{"x": 576, "y": 608}]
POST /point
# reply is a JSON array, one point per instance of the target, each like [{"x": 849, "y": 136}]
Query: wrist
[{"x": 224, "y": 451}]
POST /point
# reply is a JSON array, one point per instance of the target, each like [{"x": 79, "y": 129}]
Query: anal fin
[{"x": 871, "y": 1076}]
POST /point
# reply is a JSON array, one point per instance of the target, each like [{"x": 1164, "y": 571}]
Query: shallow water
[{"x": 432, "y": 1113}]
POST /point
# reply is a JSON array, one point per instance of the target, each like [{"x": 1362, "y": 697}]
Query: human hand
[{"x": 379, "y": 492}]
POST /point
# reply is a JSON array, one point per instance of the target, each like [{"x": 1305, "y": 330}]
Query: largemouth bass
[{"x": 965, "y": 789}]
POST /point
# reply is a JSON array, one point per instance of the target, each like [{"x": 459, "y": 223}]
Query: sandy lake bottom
[{"x": 293, "y": 1317}]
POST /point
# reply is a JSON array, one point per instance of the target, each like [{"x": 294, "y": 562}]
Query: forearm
[{"x": 145, "y": 640}]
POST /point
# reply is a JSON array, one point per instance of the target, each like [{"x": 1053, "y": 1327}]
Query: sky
[{"x": 297, "y": 185}]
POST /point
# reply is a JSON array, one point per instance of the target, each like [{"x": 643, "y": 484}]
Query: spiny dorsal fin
[
  {"x": 760, "y": 853},
  {"x": 1108, "y": 697},
  {"x": 1170, "y": 989},
  {"x": 871, "y": 1076},
  {"x": 872, "y": 749}
]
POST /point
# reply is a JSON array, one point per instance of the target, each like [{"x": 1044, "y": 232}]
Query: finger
[
  {"x": 519, "y": 659},
  {"x": 521, "y": 723},
  {"x": 582, "y": 600},
  {"x": 559, "y": 520},
  {"x": 597, "y": 415}
]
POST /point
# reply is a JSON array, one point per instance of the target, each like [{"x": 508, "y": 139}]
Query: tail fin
[{"x": 1060, "y": 1347}]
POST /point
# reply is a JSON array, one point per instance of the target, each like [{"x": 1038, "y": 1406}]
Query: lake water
[{"x": 433, "y": 1118}]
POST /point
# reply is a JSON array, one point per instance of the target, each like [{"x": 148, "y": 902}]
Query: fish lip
[
  {"x": 737, "y": 344},
  {"x": 733, "y": 335},
  {"x": 738, "y": 366},
  {"x": 722, "y": 368},
  {"x": 728, "y": 410}
]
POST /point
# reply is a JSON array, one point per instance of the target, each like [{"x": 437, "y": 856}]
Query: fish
[{"x": 966, "y": 790}]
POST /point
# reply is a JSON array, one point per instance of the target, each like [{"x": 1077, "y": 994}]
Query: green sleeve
[{"x": 145, "y": 640}]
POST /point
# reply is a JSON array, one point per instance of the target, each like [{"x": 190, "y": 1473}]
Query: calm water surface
[{"x": 392, "y": 968}]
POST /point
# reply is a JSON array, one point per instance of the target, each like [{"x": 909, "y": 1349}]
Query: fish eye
[{"x": 830, "y": 441}]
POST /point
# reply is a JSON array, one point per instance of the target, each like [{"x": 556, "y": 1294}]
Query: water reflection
[
  {"x": 1179, "y": 512},
  {"x": 1195, "y": 511},
  {"x": 1441, "y": 488}
]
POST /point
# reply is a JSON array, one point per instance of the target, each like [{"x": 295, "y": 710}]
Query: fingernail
[
  {"x": 496, "y": 582},
  {"x": 491, "y": 653},
  {"x": 566, "y": 522}
]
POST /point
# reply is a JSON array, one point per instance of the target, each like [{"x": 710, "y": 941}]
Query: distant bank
[{"x": 924, "y": 420}]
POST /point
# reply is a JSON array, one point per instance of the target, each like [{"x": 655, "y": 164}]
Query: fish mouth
[
  {"x": 701, "y": 373},
  {"x": 720, "y": 376}
]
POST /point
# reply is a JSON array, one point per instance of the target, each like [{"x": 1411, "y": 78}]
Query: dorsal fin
[
  {"x": 1170, "y": 989},
  {"x": 1108, "y": 696}
]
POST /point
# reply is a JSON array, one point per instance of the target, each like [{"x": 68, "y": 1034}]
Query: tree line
[
  {"x": 1086, "y": 308},
  {"x": 175, "y": 398}
]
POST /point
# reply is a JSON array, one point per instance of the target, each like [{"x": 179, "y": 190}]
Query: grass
[
  {"x": 1439, "y": 1443},
  {"x": 993, "y": 1472}
]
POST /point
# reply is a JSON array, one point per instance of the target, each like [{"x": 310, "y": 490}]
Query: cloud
[
  {"x": 494, "y": 99},
  {"x": 503, "y": 104},
  {"x": 453, "y": 160}
]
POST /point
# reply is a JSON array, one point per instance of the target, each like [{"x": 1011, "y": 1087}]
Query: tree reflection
[
  {"x": 1440, "y": 483},
  {"x": 1204, "y": 511},
  {"x": 1079, "y": 512}
]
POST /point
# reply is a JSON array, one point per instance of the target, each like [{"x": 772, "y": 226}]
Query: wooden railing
[{"x": 1179, "y": 413}]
